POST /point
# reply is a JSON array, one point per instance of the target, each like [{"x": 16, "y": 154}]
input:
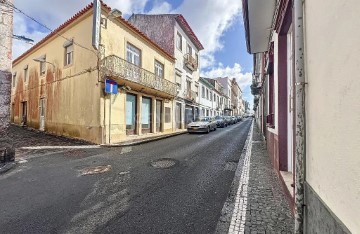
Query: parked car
[
  {"x": 238, "y": 117},
  {"x": 202, "y": 124},
  {"x": 229, "y": 120},
  {"x": 234, "y": 119},
  {"x": 220, "y": 121}
]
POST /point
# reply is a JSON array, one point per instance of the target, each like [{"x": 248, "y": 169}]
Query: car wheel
[
  {"x": 208, "y": 130},
  {"x": 215, "y": 128}
]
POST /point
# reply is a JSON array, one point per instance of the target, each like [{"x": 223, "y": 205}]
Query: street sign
[{"x": 111, "y": 87}]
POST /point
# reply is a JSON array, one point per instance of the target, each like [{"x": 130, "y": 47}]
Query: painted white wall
[
  {"x": 179, "y": 61},
  {"x": 333, "y": 106}
]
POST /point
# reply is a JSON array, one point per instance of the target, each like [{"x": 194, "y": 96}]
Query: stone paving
[
  {"x": 256, "y": 202},
  {"x": 267, "y": 210},
  {"x": 23, "y": 137}
]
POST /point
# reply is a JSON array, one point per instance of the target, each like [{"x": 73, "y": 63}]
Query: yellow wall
[
  {"x": 71, "y": 92},
  {"x": 333, "y": 106},
  {"x": 115, "y": 37},
  {"x": 76, "y": 103}
]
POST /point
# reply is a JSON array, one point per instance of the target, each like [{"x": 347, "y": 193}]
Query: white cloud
[
  {"x": 209, "y": 20},
  {"x": 243, "y": 79},
  {"x": 53, "y": 17},
  {"x": 160, "y": 7}
]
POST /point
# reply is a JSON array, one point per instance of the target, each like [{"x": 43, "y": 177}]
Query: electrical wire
[{"x": 48, "y": 28}]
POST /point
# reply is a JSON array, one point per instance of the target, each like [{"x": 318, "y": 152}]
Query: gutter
[{"x": 300, "y": 146}]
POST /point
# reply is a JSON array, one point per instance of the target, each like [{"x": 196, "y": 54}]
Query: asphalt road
[{"x": 49, "y": 194}]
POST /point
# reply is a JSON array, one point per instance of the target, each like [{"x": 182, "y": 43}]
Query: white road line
[
  {"x": 62, "y": 147},
  {"x": 126, "y": 150},
  {"x": 238, "y": 218}
]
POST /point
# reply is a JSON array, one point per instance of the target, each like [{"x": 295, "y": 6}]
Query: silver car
[{"x": 202, "y": 124}]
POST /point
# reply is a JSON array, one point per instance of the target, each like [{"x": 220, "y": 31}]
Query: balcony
[
  {"x": 190, "y": 95},
  {"x": 116, "y": 67},
  {"x": 190, "y": 62}
]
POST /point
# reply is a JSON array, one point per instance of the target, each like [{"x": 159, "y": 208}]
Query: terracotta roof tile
[{"x": 76, "y": 16}]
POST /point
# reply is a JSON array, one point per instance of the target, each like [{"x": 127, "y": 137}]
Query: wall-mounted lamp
[
  {"x": 115, "y": 13},
  {"x": 43, "y": 60},
  {"x": 124, "y": 87}
]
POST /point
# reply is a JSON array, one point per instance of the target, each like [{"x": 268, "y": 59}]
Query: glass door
[
  {"x": 158, "y": 115},
  {"x": 130, "y": 114},
  {"x": 146, "y": 115}
]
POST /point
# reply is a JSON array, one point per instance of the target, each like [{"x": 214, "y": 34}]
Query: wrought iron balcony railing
[
  {"x": 190, "y": 95},
  {"x": 115, "y": 66},
  {"x": 190, "y": 62}
]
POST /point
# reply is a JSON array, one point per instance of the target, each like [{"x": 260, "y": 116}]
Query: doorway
[
  {"x": 23, "y": 113},
  {"x": 130, "y": 116},
  {"x": 178, "y": 115},
  {"x": 146, "y": 115},
  {"x": 158, "y": 115},
  {"x": 290, "y": 101},
  {"x": 42, "y": 114}
]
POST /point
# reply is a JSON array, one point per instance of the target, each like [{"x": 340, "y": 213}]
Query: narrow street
[{"x": 183, "y": 193}]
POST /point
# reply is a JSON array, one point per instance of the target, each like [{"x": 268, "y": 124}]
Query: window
[
  {"x": 14, "y": 80},
  {"x": 207, "y": 94},
  {"x": 203, "y": 91},
  {"x": 188, "y": 49},
  {"x": 43, "y": 66},
  {"x": 178, "y": 80},
  {"x": 197, "y": 58},
  {"x": 26, "y": 73},
  {"x": 159, "y": 69},
  {"x": 133, "y": 54},
  {"x": 179, "y": 41},
  {"x": 214, "y": 97},
  {"x": 69, "y": 54},
  {"x": 167, "y": 115},
  {"x": 210, "y": 96}
]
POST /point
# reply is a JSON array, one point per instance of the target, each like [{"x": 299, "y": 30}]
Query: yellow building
[{"x": 59, "y": 84}]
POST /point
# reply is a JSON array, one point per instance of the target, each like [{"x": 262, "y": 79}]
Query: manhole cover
[{"x": 163, "y": 163}]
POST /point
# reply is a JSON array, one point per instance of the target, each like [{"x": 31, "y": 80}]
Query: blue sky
[{"x": 217, "y": 23}]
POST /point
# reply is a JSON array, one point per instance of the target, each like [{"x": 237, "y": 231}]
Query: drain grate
[{"x": 164, "y": 163}]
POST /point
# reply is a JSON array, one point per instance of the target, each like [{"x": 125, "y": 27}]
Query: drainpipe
[{"x": 300, "y": 117}]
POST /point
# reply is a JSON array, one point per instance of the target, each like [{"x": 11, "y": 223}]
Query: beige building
[
  {"x": 59, "y": 84},
  {"x": 310, "y": 114}
]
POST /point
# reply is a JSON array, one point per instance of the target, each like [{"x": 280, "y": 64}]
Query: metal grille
[{"x": 115, "y": 66}]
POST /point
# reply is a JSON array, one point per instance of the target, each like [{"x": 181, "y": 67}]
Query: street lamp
[{"x": 42, "y": 60}]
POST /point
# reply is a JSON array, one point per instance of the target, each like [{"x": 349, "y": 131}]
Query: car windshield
[
  {"x": 202, "y": 119},
  {"x": 218, "y": 117}
]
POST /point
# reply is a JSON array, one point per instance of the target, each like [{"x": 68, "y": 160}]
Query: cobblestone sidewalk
[
  {"x": 23, "y": 137},
  {"x": 256, "y": 202}
]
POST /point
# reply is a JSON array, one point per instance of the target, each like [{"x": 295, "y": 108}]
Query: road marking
[
  {"x": 95, "y": 170},
  {"x": 61, "y": 147},
  {"x": 125, "y": 150},
  {"x": 238, "y": 218},
  {"x": 201, "y": 136}
]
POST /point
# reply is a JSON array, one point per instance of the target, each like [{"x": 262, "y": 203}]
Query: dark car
[
  {"x": 220, "y": 121},
  {"x": 234, "y": 119},
  {"x": 238, "y": 117},
  {"x": 228, "y": 120}
]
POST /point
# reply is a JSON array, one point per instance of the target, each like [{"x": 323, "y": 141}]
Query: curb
[
  {"x": 223, "y": 224},
  {"x": 7, "y": 167},
  {"x": 143, "y": 141}
]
